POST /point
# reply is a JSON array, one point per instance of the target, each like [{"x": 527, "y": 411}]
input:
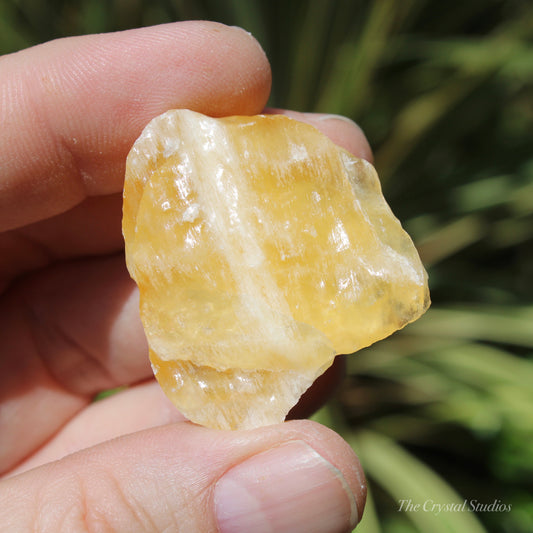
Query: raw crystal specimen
[{"x": 261, "y": 250}]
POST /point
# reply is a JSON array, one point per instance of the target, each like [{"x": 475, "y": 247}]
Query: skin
[{"x": 69, "y": 326}]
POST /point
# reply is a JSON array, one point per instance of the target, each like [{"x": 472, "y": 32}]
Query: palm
[{"x": 70, "y": 326}]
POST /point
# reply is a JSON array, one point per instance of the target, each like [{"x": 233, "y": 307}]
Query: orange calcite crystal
[{"x": 261, "y": 250}]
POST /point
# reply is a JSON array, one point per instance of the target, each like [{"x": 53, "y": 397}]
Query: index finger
[{"x": 71, "y": 109}]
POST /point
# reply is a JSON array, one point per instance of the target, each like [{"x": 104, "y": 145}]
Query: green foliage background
[{"x": 441, "y": 411}]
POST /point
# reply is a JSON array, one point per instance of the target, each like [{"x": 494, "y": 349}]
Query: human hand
[{"x": 69, "y": 325}]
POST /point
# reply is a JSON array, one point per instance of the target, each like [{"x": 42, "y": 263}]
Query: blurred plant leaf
[
  {"x": 358, "y": 57},
  {"x": 12, "y": 37},
  {"x": 448, "y": 239},
  {"x": 406, "y": 478},
  {"x": 508, "y": 325}
]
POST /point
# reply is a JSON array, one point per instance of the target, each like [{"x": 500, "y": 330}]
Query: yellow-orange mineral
[{"x": 261, "y": 250}]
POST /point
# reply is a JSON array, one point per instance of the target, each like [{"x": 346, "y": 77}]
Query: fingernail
[
  {"x": 321, "y": 117},
  {"x": 290, "y": 488},
  {"x": 352, "y": 138}
]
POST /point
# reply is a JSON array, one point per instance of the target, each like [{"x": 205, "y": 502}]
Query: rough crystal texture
[{"x": 261, "y": 251}]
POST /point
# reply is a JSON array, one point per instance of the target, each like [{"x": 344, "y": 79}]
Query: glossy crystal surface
[{"x": 261, "y": 250}]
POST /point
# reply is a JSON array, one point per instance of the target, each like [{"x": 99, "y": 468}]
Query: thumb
[{"x": 294, "y": 477}]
